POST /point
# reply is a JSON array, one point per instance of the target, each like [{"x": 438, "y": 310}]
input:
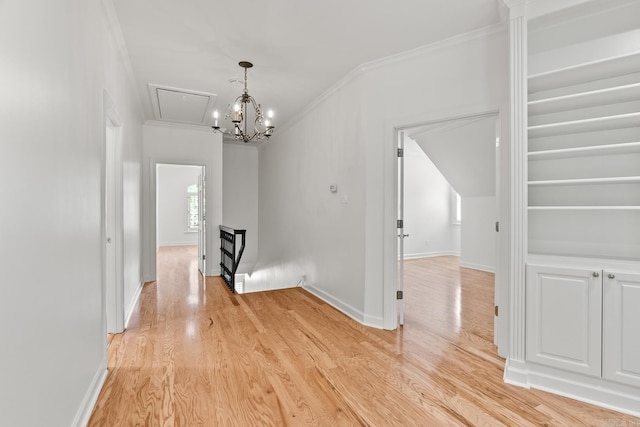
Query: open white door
[
  {"x": 401, "y": 235},
  {"x": 499, "y": 333},
  {"x": 202, "y": 234},
  {"x": 113, "y": 276}
]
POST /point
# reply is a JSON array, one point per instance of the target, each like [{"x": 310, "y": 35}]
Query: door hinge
[
  {"x": 400, "y": 223},
  {"x": 495, "y": 310},
  {"x": 203, "y": 257},
  {"x": 399, "y": 295},
  {"x": 400, "y": 152},
  {"x": 497, "y": 226}
]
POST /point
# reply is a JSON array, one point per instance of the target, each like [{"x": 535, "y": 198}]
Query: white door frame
[
  {"x": 113, "y": 298},
  {"x": 153, "y": 201},
  {"x": 202, "y": 221},
  {"x": 390, "y": 275},
  {"x": 401, "y": 235}
]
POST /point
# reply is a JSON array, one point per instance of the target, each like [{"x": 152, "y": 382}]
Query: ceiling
[{"x": 184, "y": 54}]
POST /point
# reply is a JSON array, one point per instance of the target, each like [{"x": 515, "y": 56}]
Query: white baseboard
[
  {"x": 249, "y": 288},
  {"x": 132, "y": 305},
  {"x": 355, "y": 314},
  {"x": 480, "y": 267},
  {"x": 431, "y": 254},
  {"x": 240, "y": 280},
  {"x": 595, "y": 391},
  {"x": 178, "y": 243},
  {"x": 91, "y": 396}
]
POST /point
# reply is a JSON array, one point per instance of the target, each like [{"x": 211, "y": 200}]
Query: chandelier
[{"x": 238, "y": 113}]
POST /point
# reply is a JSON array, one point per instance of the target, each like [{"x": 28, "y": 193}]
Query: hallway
[{"x": 194, "y": 354}]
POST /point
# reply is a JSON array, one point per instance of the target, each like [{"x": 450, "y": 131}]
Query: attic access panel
[{"x": 181, "y": 105}]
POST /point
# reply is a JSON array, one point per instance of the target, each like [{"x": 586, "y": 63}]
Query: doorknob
[{"x": 108, "y": 239}]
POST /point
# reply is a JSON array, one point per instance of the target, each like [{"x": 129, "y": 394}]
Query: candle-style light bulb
[
  {"x": 270, "y": 114},
  {"x": 235, "y": 114},
  {"x": 215, "y": 118}
]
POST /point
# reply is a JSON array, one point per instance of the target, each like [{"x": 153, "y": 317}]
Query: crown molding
[
  {"x": 435, "y": 46},
  {"x": 517, "y": 8},
  {"x": 395, "y": 59},
  {"x": 174, "y": 125},
  {"x": 240, "y": 145}
]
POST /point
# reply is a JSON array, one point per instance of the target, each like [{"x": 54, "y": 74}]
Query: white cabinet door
[
  {"x": 621, "y": 338},
  {"x": 564, "y": 318}
]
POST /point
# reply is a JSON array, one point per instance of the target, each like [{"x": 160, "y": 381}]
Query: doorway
[
  {"x": 181, "y": 209},
  {"x": 448, "y": 157}
]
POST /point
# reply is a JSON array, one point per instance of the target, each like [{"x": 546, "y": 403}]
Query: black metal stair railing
[{"x": 230, "y": 255}]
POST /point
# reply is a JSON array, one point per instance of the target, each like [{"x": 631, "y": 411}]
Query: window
[
  {"x": 456, "y": 208},
  {"x": 192, "y": 207}
]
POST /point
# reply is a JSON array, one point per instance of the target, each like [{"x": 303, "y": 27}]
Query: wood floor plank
[{"x": 196, "y": 355}]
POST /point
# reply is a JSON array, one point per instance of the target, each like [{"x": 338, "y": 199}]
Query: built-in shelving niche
[{"x": 584, "y": 159}]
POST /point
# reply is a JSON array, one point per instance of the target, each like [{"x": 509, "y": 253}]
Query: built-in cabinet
[
  {"x": 621, "y": 328},
  {"x": 564, "y": 318},
  {"x": 582, "y": 277},
  {"x": 585, "y": 320}
]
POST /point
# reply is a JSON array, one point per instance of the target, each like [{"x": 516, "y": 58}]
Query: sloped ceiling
[
  {"x": 463, "y": 151},
  {"x": 299, "y": 48}
]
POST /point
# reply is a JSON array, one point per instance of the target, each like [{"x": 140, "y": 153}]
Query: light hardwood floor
[{"x": 194, "y": 354}]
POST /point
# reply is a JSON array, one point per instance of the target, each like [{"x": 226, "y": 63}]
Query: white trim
[
  {"x": 518, "y": 227},
  {"x": 180, "y": 243},
  {"x": 247, "y": 289},
  {"x": 515, "y": 373},
  {"x": 431, "y": 254},
  {"x": 480, "y": 267},
  {"x": 240, "y": 145},
  {"x": 352, "y": 312},
  {"x": 438, "y": 45},
  {"x": 91, "y": 396},
  {"x": 155, "y": 102},
  {"x": 389, "y": 60},
  {"x": 201, "y": 128},
  {"x": 110, "y": 114},
  {"x": 595, "y": 391},
  {"x": 132, "y": 305}
]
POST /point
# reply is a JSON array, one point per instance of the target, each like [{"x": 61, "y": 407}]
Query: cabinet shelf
[
  {"x": 586, "y": 125},
  {"x": 583, "y": 181},
  {"x": 613, "y": 95},
  {"x": 581, "y": 73},
  {"x": 595, "y": 150},
  {"x": 584, "y": 208}
]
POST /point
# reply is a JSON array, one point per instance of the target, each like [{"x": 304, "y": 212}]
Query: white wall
[
  {"x": 57, "y": 58},
  {"x": 240, "y": 197},
  {"x": 172, "y": 182},
  {"x": 186, "y": 145},
  {"x": 427, "y": 207},
  {"x": 339, "y": 241},
  {"x": 478, "y": 240}
]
